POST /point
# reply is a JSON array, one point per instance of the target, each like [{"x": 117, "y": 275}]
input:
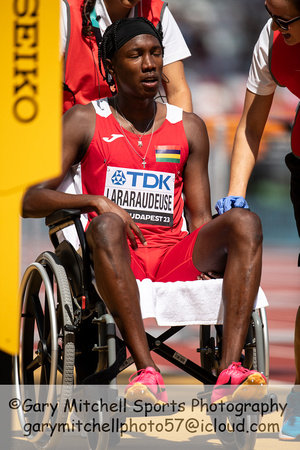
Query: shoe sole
[
  {"x": 285, "y": 437},
  {"x": 245, "y": 392},
  {"x": 139, "y": 391}
]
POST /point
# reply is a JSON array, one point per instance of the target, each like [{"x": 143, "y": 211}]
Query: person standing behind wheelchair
[
  {"x": 83, "y": 23},
  {"x": 124, "y": 144},
  {"x": 275, "y": 61}
]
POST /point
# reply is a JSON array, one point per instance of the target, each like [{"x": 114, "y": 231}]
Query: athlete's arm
[
  {"x": 196, "y": 182},
  {"x": 43, "y": 199},
  {"x": 247, "y": 141},
  {"x": 177, "y": 90}
]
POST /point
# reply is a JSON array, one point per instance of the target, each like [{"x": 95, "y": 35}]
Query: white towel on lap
[{"x": 186, "y": 302}]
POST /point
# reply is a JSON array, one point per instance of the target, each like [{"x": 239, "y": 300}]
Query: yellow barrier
[{"x": 30, "y": 131}]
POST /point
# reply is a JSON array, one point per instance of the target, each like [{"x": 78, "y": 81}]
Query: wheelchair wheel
[
  {"x": 246, "y": 439},
  {"x": 43, "y": 372},
  {"x": 236, "y": 433},
  {"x": 255, "y": 354}
]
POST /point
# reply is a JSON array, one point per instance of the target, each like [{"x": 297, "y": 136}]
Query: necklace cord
[
  {"x": 133, "y": 129},
  {"x": 143, "y": 158}
]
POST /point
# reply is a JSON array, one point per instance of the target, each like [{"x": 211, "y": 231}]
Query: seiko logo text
[{"x": 25, "y": 58}]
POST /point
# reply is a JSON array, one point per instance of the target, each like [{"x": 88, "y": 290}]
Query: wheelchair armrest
[{"x": 62, "y": 217}]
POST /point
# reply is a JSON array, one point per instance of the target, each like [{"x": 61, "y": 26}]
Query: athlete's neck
[{"x": 137, "y": 113}]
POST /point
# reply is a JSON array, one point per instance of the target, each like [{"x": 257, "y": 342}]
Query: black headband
[{"x": 128, "y": 29}]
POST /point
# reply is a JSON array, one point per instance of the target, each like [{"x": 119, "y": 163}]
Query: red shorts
[{"x": 170, "y": 263}]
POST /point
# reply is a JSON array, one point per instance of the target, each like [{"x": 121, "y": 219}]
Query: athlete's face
[
  {"x": 137, "y": 66},
  {"x": 285, "y": 10}
]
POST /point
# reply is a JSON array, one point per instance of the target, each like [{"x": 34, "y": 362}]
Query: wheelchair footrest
[
  {"x": 106, "y": 375},
  {"x": 110, "y": 327},
  {"x": 102, "y": 348}
]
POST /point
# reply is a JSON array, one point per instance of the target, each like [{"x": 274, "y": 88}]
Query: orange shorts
[{"x": 170, "y": 263}]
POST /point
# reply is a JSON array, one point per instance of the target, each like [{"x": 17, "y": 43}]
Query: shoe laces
[
  {"x": 137, "y": 374},
  {"x": 238, "y": 366}
]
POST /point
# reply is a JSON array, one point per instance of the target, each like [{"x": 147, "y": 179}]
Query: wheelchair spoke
[
  {"x": 38, "y": 313},
  {"x": 45, "y": 373},
  {"x": 43, "y": 377},
  {"x": 33, "y": 365}
]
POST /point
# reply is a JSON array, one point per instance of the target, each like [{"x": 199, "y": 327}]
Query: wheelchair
[{"x": 59, "y": 305}]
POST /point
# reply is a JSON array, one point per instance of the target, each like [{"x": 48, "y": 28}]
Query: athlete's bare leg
[
  {"x": 232, "y": 244},
  {"x": 117, "y": 285}
]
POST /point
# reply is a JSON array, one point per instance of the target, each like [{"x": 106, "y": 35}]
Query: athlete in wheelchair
[{"x": 137, "y": 159}]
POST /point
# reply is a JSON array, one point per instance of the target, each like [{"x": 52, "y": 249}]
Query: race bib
[{"x": 147, "y": 196}]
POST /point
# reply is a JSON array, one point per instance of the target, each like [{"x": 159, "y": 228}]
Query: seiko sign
[{"x": 26, "y": 57}]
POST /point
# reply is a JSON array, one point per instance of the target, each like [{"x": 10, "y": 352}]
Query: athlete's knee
[
  {"x": 246, "y": 225},
  {"x": 106, "y": 230}
]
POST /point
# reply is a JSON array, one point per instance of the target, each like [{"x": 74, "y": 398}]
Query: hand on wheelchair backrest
[{"x": 227, "y": 203}]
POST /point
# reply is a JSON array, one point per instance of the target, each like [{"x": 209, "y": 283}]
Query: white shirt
[
  {"x": 175, "y": 48},
  {"x": 260, "y": 80}
]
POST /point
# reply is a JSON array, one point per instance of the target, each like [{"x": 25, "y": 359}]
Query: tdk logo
[
  {"x": 140, "y": 180},
  {"x": 118, "y": 178},
  {"x": 149, "y": 180}
]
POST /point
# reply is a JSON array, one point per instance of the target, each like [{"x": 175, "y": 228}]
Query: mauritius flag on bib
[{"x": 167, "y": 153}]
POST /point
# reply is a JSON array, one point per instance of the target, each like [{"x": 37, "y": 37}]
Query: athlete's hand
[
  {"x": 103, "y": 204},
  {"x": 209, "y": 275},
  {"x": 132, "y": 231},
  {"x": 227, "y": 203}
]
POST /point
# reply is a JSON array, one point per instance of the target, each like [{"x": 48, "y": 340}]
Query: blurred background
[{"x": 221, "y": 35}]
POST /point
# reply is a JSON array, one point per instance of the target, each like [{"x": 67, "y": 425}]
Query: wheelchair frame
[{"x": 70, "y": 298}]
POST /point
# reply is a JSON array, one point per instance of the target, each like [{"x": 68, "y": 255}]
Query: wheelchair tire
[
  {"x": 232, "y": 437},
  {"x": 47, "y": 312},
  {"x": 246, "y": 440}
]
